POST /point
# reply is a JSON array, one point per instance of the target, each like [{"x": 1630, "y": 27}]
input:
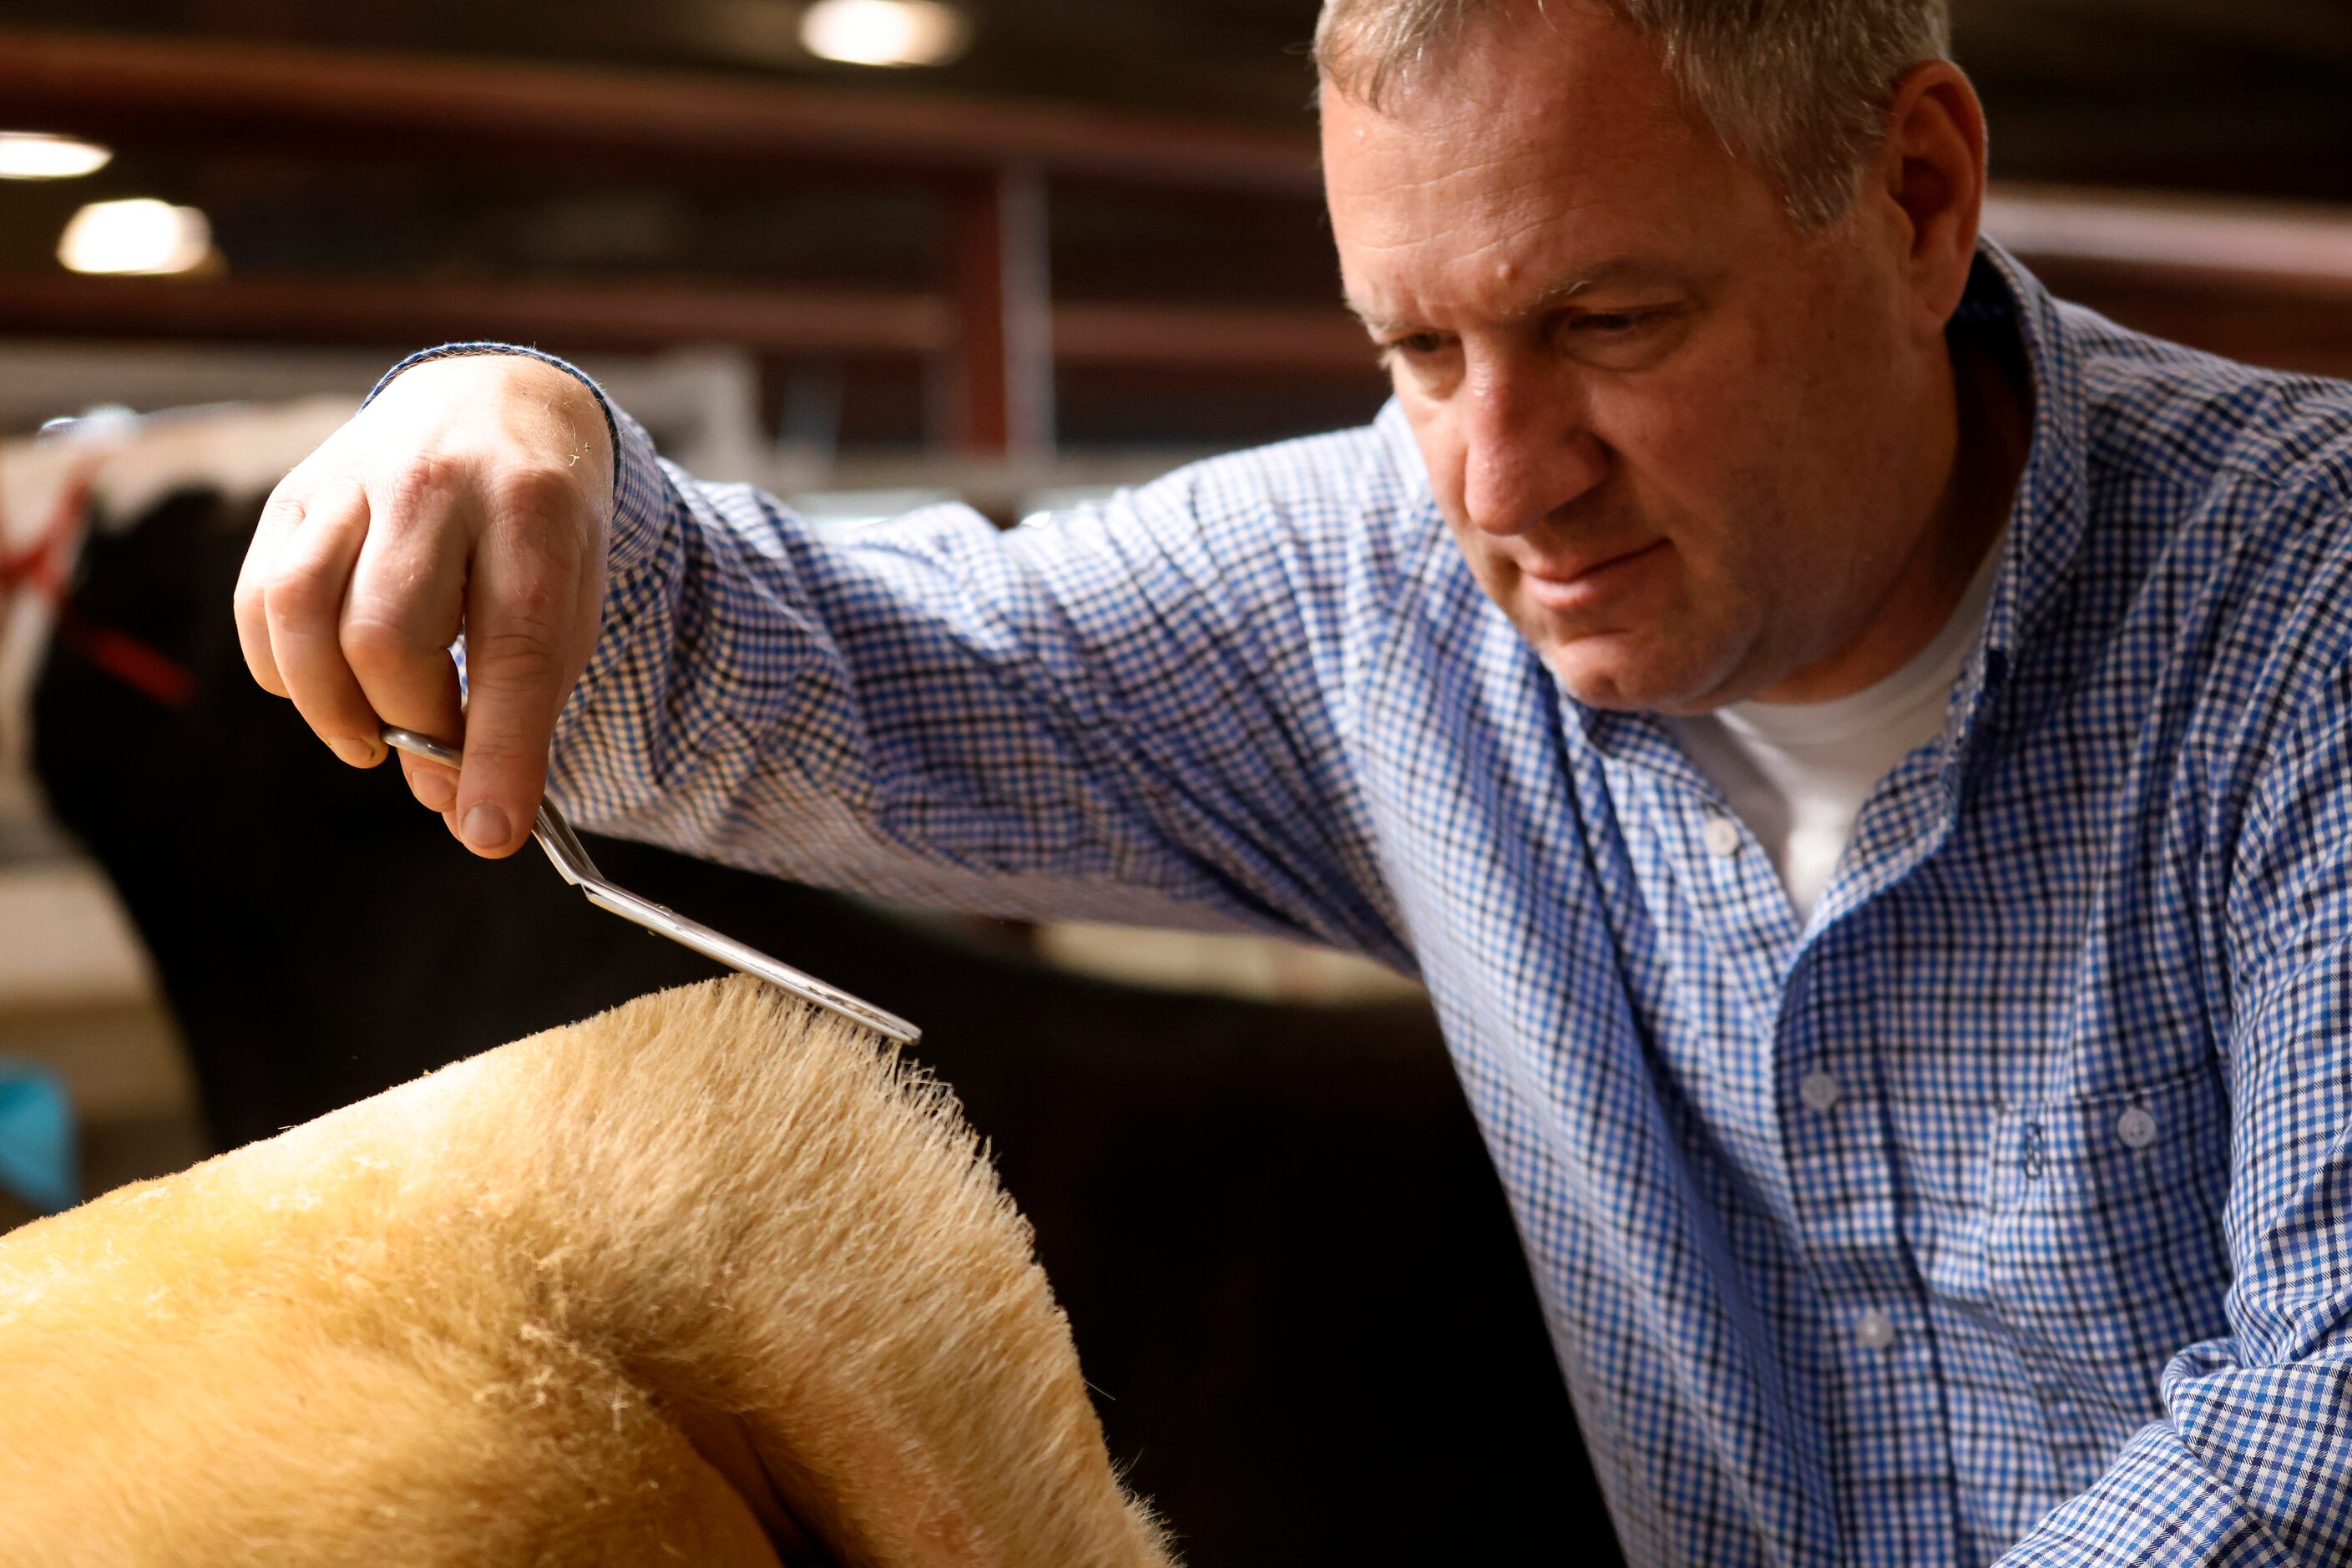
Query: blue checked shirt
[{"x": 2004, "y": 1207}]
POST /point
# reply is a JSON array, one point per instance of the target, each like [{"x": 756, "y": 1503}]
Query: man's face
[{"x": 1678, "y": 440}]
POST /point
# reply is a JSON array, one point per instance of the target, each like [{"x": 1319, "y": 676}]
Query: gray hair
[{"x": 1800, "y": 86}]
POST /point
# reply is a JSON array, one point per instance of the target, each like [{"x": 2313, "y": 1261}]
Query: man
[{"x": 1852, "y": 746}]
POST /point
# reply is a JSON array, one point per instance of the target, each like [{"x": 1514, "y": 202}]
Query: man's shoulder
[
  {"x": 1370, "y": 469},
  {"x": 1355, "y": 498},
  {"x": 2159, "y": 415},
  {"x": 2220, "y": 552}
]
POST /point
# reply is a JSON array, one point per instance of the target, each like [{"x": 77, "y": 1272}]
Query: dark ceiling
[
  {"x": 2236, "y": 97},
  {"x": 2251, "y": 96}
]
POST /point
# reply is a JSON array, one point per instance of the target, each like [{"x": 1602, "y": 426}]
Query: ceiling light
[
  {"x": 39, "y": 155},
  {"x": 142, "y": 235},
  {"x": 885, "y": 32}
]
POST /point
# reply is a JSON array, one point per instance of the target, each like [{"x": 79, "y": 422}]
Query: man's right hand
[{"x": 475, "y": 495}]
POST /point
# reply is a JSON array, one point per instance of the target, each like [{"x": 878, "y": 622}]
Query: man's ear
[{"x": 1930, "y": 172}]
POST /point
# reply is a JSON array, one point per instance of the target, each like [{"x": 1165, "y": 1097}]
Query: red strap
[
  {"x": 137, "y": 664},
  {"x": 41, "y": 567}
]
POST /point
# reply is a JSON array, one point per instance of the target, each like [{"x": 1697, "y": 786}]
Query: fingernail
[
  {"x": 486, "y": 827},
  {"x": 433, "y": 790},
  {"x": 358, "y": 753}
]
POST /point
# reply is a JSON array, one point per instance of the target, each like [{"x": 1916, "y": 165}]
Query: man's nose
[{"x": 1527, "y": 450}]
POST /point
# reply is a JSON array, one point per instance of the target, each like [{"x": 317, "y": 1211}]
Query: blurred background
[{"x": 866, "y": 253}]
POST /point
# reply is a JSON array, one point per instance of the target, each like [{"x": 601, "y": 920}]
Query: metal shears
[{"x": 564, "y": 849}]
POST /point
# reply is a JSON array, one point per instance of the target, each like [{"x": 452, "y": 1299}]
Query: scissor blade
[
  {"x": 750, "y": 960},
  {"x": 569, "y": 856}
]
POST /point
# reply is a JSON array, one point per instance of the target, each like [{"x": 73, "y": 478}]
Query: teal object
[{"x": 37, "y": 1155}]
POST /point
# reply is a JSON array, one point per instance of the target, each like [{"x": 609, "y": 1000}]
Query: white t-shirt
[{"x": 1798, "y": 773}]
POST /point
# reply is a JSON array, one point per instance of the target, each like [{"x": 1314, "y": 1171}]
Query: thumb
[{"x": 521, "y": 661}]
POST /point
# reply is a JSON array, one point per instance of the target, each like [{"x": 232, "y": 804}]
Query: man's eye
[
  {"x": 1617, "y": 324},
  {"x": 1417, "y": 345},
  {"x": 1623, "y": 340}
]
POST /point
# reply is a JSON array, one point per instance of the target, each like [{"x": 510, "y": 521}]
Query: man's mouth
[{"x": 1582, "y": 585}]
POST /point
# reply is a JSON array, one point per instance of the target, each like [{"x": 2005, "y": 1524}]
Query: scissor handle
[{"x": 424, "y": 746}]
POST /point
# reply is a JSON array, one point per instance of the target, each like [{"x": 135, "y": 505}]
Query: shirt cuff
[{"x": 467, "y": 351}]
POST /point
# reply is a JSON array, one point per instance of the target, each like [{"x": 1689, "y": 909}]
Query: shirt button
[
  {"x": 1722, "y": 837},
  {"x": 1820, "y": 1092},
  {"x": 1875, "y": 1329},
  {"x": 2136, "y": 1128}
]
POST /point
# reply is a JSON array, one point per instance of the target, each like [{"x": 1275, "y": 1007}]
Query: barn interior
[{"x": 866, "y": 254}]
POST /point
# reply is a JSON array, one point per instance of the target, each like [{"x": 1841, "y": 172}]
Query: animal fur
[{"x": 676, "y": 1284}]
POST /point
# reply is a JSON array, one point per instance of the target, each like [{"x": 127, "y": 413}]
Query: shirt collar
[{"x": 2050, "y": 511}]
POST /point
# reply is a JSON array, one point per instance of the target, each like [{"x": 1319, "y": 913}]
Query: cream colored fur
[{"x": 633, "y": 1291}]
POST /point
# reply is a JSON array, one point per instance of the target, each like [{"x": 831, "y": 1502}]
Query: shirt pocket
[{"x": 2104, "y": 1252}]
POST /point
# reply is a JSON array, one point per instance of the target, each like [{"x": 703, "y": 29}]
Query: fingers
[
  {"x": 280, "y": 517},
  {"x": 456, "y": 499},
  {"x": 301, "y": 592},
  {"x": 401, "y": 613},
  {"x": 434, "y": 788},
  {"x": 529, "y": 620},
  {"x": 348, "y": 601}
]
